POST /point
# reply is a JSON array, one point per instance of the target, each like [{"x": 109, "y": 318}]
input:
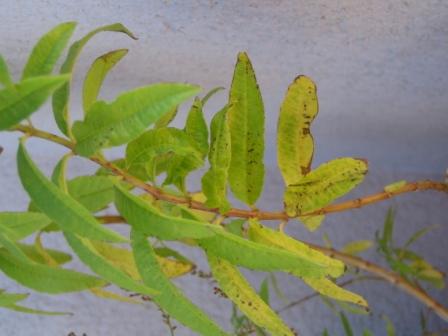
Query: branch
[{"x": 234, "y": 212}]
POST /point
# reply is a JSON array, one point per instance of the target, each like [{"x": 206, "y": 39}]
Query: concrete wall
[{"x": 380, "y": 67}]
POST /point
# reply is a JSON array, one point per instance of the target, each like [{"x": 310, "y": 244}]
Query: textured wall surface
[{"x": 380, "y": 67}]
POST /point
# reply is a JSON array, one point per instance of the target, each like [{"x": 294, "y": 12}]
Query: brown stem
[{"x": 242, "y": 213}]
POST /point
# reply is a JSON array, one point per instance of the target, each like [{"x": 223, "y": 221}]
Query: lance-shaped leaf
[
  {"x": 33, "y": 253},
  {"x": 101, "y": 266},
  {"x": 323, "y": 185},
  {"x": 295, "y": 144},
  {"x": 210, "y": 94},
  {"x": 5, "y": 77},
  {"x": 22, "y": 224},
  {"x": 246, "y": 122},
  {"x": 124, "y": 260},
  {"x": 66, "y": 212},
  {"x": 10, "y": 300},
  {"x": 149, "y": 151},
  {"x": 118, "y": 122},
  {"x": 147, "y": 219},
  {"x": 238, "y": 289},
  {"x": 46, "y": 52},
  {"x": 62, "y": 96},
  {"x": 97, "y": 73},
  {"x": 170, "y": 299},
  {"x": 214, "y": 182},
  {"x": 93, "y": 192},
  {"x": 19, "y": 101},
  {"x": 270, "y": 237},
  {"x": 167, "y": 118},
  {"x": 196, "y": 127}
]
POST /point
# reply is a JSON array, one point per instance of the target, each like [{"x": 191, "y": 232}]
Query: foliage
[{"x": 232, "y": 147}]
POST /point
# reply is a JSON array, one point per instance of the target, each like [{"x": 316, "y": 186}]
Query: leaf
[
  {"x": 390, "y": 330},
  {"x": 328, "y": 288},
  {"x": 170, "y": 299},
  {"x": 312, "y": 222},
  {"x": 210, "y": 94},
  {"x": 264, "y": 290},
  {"x": 101, "y": 293},
  {"x": 147, "y": 219},
  {"x": 148, "y": 151},
  {"x": 238, "y": 289},
  {"x": 246, "y": 123},
  {"x": 5, "y": 77},
  {"x": 323, "y": 185},
  {"x": 97, "y": 73},
  {"x": 9, "y": 301},
  {"x": 295, "y": 144},
  {"x": 32, "y": 253},
  {"x": 22, "y": 224},
  {"x": 357, "y": 247},
  {"x": 322, "y": 263},
  {"x": 93, "y": 192},
  {"x": 393, "y": 187},
  {"x": 214, "y": 182},
  {"x": 19, "y": 101},
  {"x": 58, "y": 177},
  {"x": 346, "y": 324},
  {"x": 58, "y": 206},
  {"x": 167, "y": 118},
  {"x": 61, "y": 97},
  {"x": 123, "y": 120},
  {"x": 90, "y": 257},
  {"x": 196, "y": 127},
  {"x": 46, "y": 52},
  {"x": 44, "y": 278},
  {"x": 418, "y": 234},
  {"x": 46, "y": 257},
  {"x": 388, "y": 229},
  {"x": 236, "y": 227}
]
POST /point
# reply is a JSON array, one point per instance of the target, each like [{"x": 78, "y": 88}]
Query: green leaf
[
  {"x": 19, "y": 101},
  {"x": 170, "y": 299},
  {"x": 46, "y": 52},
  {"x": 418, "y": 234},
  {"x": 236, "y": 227},
  {"x": 147, "y": 219},
  {"x": 357, "y": 247},
  {"x": 118, "y": 122},
  {"x": 214, "y": 182},
  {"x": 328, "y": 288},
  {"x": 246, "y": 123},
  {"x": 5, "y": 77},
  {"x": 196, "y": 127},
  {"x": 62, "y": 96},
  {"x": 238, "y": 289},
  {"x": 322, "y": 264},
  {"x": 210, "y": 94},
  {"x": 44, "y": 278},
  {"x": 323, "y": 185},
  {"x": 264, "y": 290},
  {"x": 97, "y": 73},
  {"x": 21, "y": 224},
  {"x": 149, "y": 150},
  {"x": 9, "y": 301},
  {"x": 32, "y": 253},
  {"x": 390, "y": 330},
  {"x": 346, "y": 324},
  {"x": 93, "y": 192},
  {"x": 58, "y": 177},
  {"x": 57, "y": 205},
  {"x": 295, "y": 144},
  {"x": 101, "y": 266}
]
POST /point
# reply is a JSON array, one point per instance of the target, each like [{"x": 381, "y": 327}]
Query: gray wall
[{"x": 380, "y": 67}]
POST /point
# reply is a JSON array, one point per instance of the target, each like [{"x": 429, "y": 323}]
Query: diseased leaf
[
  {"x": 214, "y": 182},
  {"x": 19, "y": 101},
  {"x": 246, "y": 123},
  {"x": 328, "y": 288},
  {"x": 44, "y": 278},
  {"x": 46, "y": 52},
  {"x": 357, "y": 247},
  {"x": 196, "y": 128},
  {"x": 58, "y": 206},
  {"x": 22, "y": 224},
  {"x": 97, "y": 73},
  {"x": 61, "y": 97},
  {"x": 322, "y": 263},
  {"x": 118, "y": 122},
  {"x": 101, "y": 266},
  {"x": 238, "y": 289},
  {"x": 323, "y": 185},
  {"x": 5, "y": 77},
  {"x": 170, "y": 299},
  {"x": 147, "y": 219},
  {"x": 295, "y": 144}
]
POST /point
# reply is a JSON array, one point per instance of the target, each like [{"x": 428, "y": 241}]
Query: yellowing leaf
[
  {"x": 118, "y": 122},
  {"x": 238, "y": 289},
  {"x": 246, "y": 123},
  {"x": 104, "y": 294},
  {"x": 323, "y": 185},
  {"x": 66, "y": 212},
  {"x": 46, "y": 52},
  {"x": 96, "y": 75},
  {"x": 391, "y": 188},
  {"x": 170, "y": 299},
  {"x": 295, "y": 144},
  {"x": 357, "y": 247},
  {"x": 312, "y": 222}
]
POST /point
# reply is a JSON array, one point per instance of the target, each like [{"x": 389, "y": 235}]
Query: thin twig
[{"x": 234, "y": 212}]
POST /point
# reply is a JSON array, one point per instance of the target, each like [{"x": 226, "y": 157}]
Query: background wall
[{"x": 380, "y": 68}]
